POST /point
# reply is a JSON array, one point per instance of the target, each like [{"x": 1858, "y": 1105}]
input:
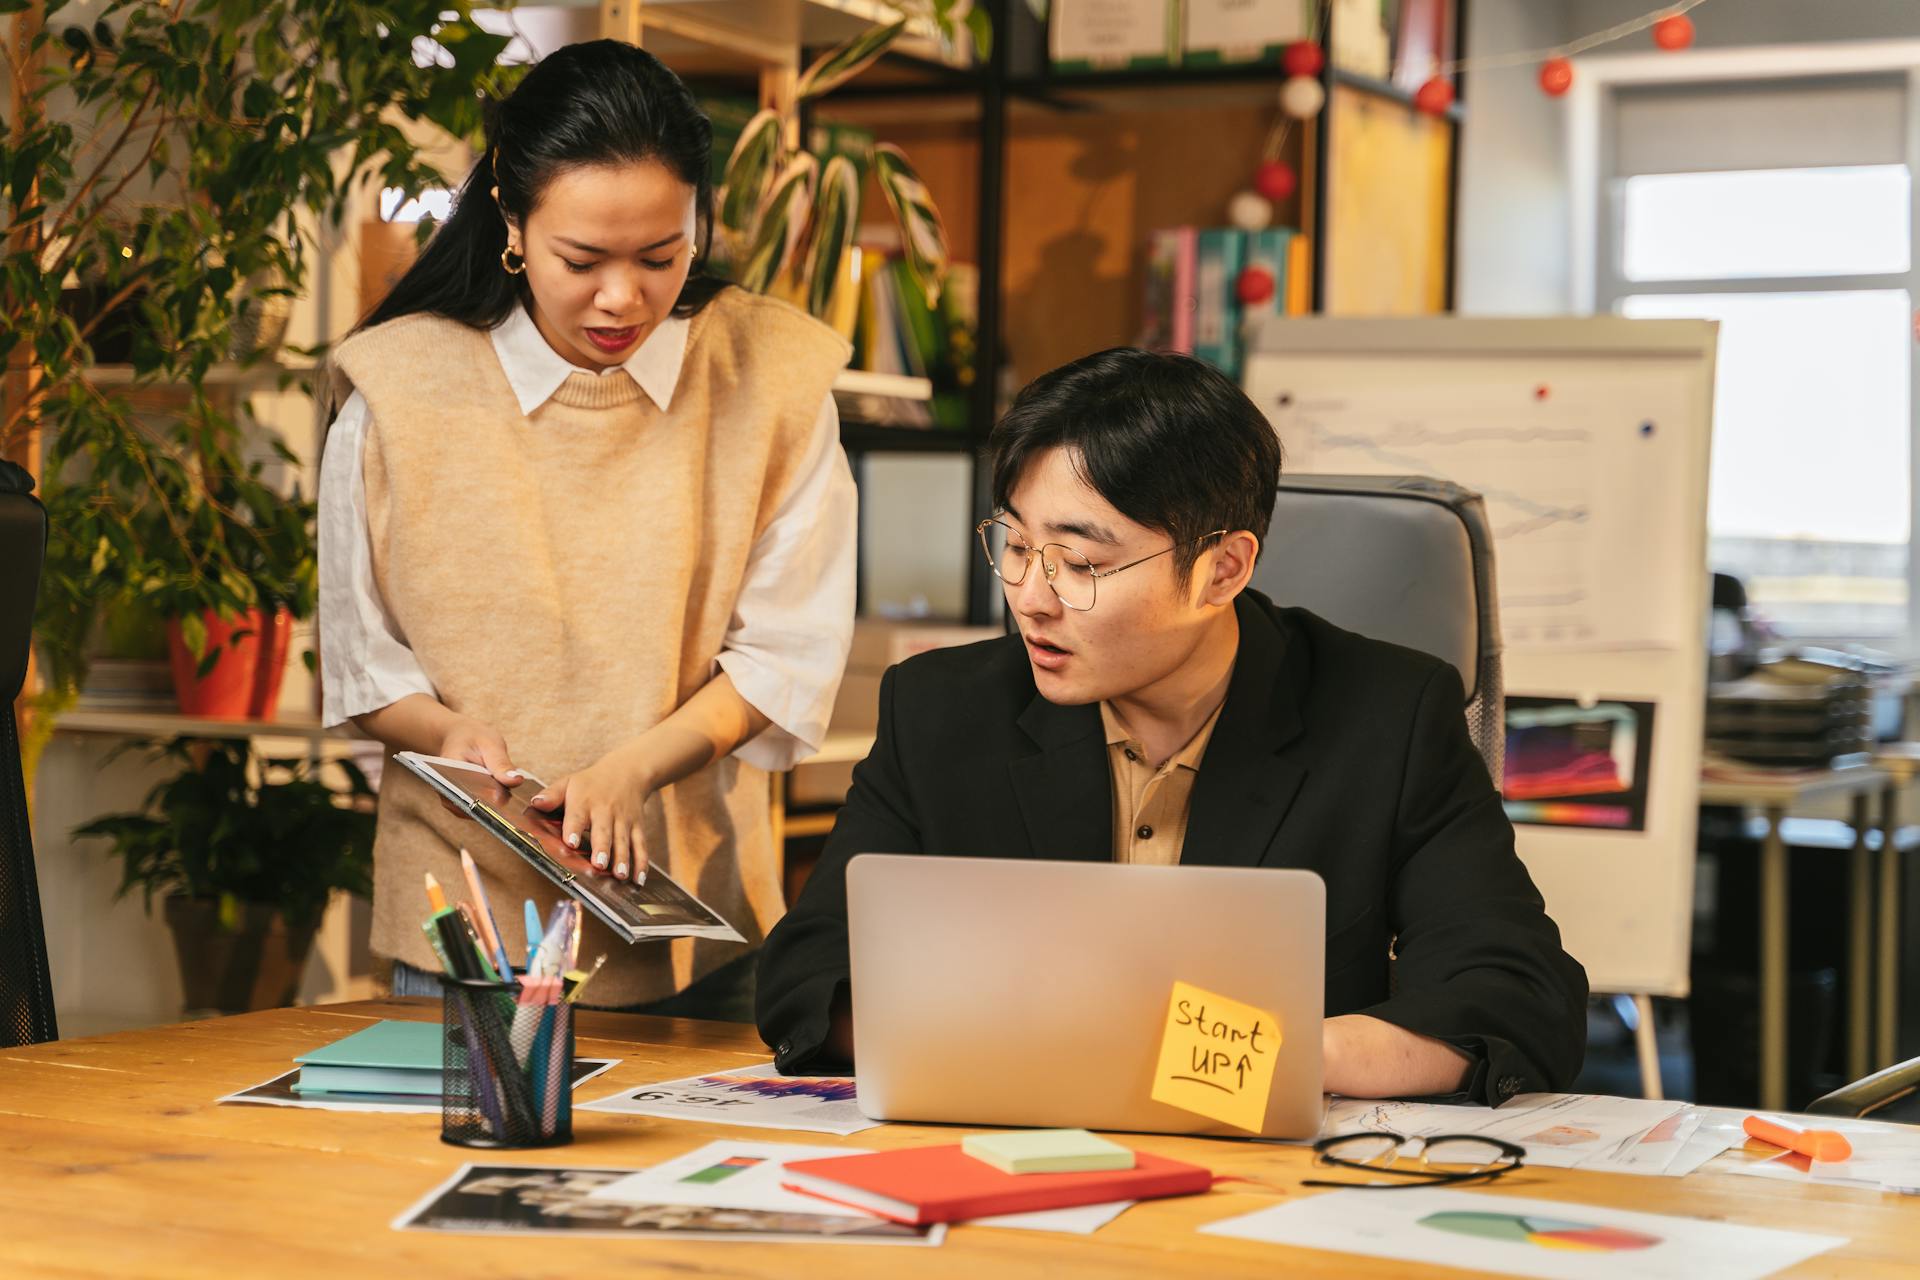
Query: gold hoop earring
[{"x": 511, "y": 268}]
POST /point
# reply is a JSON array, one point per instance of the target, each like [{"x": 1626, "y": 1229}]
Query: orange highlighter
[{"x": 1823, "y": 1145}]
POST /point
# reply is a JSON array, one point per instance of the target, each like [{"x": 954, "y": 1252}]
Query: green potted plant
[
  {"x": 165, "y": 174},
  {"x": 245, "y": 853},
  {"x": 785, "y": 217}
]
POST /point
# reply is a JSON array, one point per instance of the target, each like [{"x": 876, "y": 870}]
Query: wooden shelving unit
[{"x": 1050, "y": 182}]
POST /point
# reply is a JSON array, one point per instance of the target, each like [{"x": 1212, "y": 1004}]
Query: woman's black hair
[{"x": 597, "y": 103}]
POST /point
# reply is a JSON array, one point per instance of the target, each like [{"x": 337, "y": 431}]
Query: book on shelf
[
  {"x": 901, "y": 331},
  {"x": 1108, "y": 35},
  {"x": 1221, "y": 253},
  {"x": 1218, "y": 33},
  {"x": 1170, "y": 303},
  {"x": 1191, "y": 295},
  {"x": 128, "y": 684}
]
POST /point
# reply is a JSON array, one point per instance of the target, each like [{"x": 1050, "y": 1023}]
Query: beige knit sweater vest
[{"x": 568, "y": 577}]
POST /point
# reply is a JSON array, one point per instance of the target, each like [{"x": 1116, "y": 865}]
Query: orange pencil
[
  {"x": 1823, "y": 1145},
  {"x": 483, "y": 916},
  {"x": 435, "y": 898}
]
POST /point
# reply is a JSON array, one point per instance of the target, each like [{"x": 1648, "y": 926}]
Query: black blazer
[{"x": 1339, "y": 754}]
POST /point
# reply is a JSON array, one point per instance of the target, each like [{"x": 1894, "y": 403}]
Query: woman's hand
[
  {"x": 603, "y": 804},
  {"x": 476, "y": 743}
]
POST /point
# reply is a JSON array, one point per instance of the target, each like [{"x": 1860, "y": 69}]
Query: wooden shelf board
[{"x": 164, "y": 724}]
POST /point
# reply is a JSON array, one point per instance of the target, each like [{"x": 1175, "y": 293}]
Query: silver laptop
[{"x": 999, "y": 991}]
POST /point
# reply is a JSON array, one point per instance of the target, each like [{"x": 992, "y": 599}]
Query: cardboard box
[{"x": 877, "y": 644}]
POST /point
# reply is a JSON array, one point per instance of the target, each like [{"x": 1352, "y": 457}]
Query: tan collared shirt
[{"x": 1149, "y": 804}]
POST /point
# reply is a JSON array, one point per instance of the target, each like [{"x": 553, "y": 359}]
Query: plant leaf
[
  {"x": 750, "y": 170},
  {"x": 193, "y": 630},
  {"x": 980, "y": 24},
  {"x": 921, "y": 233},
  {"x": 835, "y": 218},
  {"x": 833, "y": 69},
  {"x": 781, "y": 223}
]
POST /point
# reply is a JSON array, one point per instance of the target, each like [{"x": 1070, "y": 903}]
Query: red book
[{"x": 944, "y": 1184}]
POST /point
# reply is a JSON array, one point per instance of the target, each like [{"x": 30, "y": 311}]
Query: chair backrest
[
  {"x": 1398, "y": 558},
  {"x": 26, "y": 988}
]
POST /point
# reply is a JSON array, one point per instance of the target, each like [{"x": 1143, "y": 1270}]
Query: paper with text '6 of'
[{"x": 1217, "y": 1057}]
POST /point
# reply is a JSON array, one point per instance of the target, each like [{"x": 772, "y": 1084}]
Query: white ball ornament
[
  {"x": 1302, "y": 97},
  {"x": 1250, "y": 211}
]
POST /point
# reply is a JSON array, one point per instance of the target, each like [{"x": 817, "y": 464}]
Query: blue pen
[{"x": 533, "y": 932}]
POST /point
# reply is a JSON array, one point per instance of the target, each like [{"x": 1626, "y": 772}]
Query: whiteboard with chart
[{"x": 1588, "y": 439}]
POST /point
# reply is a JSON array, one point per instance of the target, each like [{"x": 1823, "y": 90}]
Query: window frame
[{"x": 1598, "y": 216}]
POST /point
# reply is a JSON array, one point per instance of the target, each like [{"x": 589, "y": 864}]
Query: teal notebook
[{"x": 387, "y": 1057}]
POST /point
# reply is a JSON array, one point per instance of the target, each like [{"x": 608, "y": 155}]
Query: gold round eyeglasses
[{"x": 1073, "y": 577}]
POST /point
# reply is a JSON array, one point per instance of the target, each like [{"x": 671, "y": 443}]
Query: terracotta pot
[
  {"x": 226, "y": 692},
  {"x": 276, "y": 637},
  {"x": 257, "y": 966}
]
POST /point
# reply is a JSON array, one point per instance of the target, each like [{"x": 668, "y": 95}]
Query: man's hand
[{"x": 1367, "y": 1058}]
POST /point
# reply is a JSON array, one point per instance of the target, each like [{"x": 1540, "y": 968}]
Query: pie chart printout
[{"x": 1541, "y": 1233}]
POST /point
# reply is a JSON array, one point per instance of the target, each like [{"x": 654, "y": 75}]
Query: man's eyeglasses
[
  {"x": 1444, "y": 1160},
  {"x": 1072, "y": 576}
]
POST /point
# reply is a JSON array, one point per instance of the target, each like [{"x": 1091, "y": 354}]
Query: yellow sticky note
[{"x": 1217, "y": 1057}]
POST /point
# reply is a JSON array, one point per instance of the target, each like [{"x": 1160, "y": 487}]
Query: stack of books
[
  {"x": 899, "y": 331},
  {"x": 129, "y": 684},
  {"x": 1192, "y": 297},
  {"x": 386, "y": 1058}
]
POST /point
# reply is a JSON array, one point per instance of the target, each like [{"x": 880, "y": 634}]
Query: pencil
[
  {"x": 435, "y": 898},
  {"x": 483, "y": 915}
]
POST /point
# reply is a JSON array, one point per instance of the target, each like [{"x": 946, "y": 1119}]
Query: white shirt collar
[{"x": 535, "y": 370}]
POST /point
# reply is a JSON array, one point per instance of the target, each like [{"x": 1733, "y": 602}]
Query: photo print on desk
[
  {"x": 541, "y": 1200},
  {"x": 1569, "y": 765}
]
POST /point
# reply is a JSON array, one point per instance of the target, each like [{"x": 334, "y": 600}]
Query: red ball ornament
[
  {"x": 1675, "y": 31},
  {"x": 1434, "y": 97},
  {"x": 1275, "y": 180},
  {"x": 1254, "y": 286},
  {"x": 1303, "y": 58},
  {"x": 1556, "y": 77}
]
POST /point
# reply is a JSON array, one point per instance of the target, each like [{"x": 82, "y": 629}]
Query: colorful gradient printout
[
  {"x": 825, "y": 1088},
  {"x": 1569, "y": 765}
]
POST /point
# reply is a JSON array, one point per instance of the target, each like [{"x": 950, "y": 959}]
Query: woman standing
[{"x": 586, "y": 513}]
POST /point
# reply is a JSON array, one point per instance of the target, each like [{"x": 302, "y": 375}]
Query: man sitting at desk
[{"x": 1154, "y": 709}]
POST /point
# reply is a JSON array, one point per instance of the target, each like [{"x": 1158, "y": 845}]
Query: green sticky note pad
[{"x": 1047, "y": 1151}]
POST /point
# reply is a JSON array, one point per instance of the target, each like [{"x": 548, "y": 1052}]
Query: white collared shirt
[{"x": 786, "y": 645}]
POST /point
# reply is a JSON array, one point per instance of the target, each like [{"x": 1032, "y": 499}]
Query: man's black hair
[{"x": 1169, "y": 441}]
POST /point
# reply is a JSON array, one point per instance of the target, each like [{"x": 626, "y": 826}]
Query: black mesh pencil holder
[{"x": 506, "y": 1069}]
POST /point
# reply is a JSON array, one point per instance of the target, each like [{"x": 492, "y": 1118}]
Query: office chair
[
  {"x": 26, "y": 988},
  {"x": 1398, "y": 558},
  {"x": 1891, "y": 1094}
]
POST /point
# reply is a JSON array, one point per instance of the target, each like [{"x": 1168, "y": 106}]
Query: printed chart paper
[
  {"x": 755, "y": 1096},
  {"x": 1516, "y": 1237}
]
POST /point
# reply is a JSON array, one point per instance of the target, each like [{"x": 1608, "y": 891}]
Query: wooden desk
[
  {"x": 115, "y": 1162},
  {"x": 1775, "y": 797}
]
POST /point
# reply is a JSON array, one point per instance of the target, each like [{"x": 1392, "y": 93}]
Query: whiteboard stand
[
  {"x": 1589, "y": 439},
  {"x": 1646, "y": 1044}
]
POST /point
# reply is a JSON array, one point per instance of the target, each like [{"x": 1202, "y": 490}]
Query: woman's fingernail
[
  {"x": 600, "y": 860},
  {"x": 573, "y": 841},
  {"x": 539, "y": 799}
]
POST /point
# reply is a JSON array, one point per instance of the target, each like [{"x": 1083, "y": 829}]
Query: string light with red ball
[{"x": 1672, "y": 30}]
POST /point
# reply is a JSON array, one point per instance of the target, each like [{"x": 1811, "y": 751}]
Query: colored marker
[{"x": 1823, "y": 1145}]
